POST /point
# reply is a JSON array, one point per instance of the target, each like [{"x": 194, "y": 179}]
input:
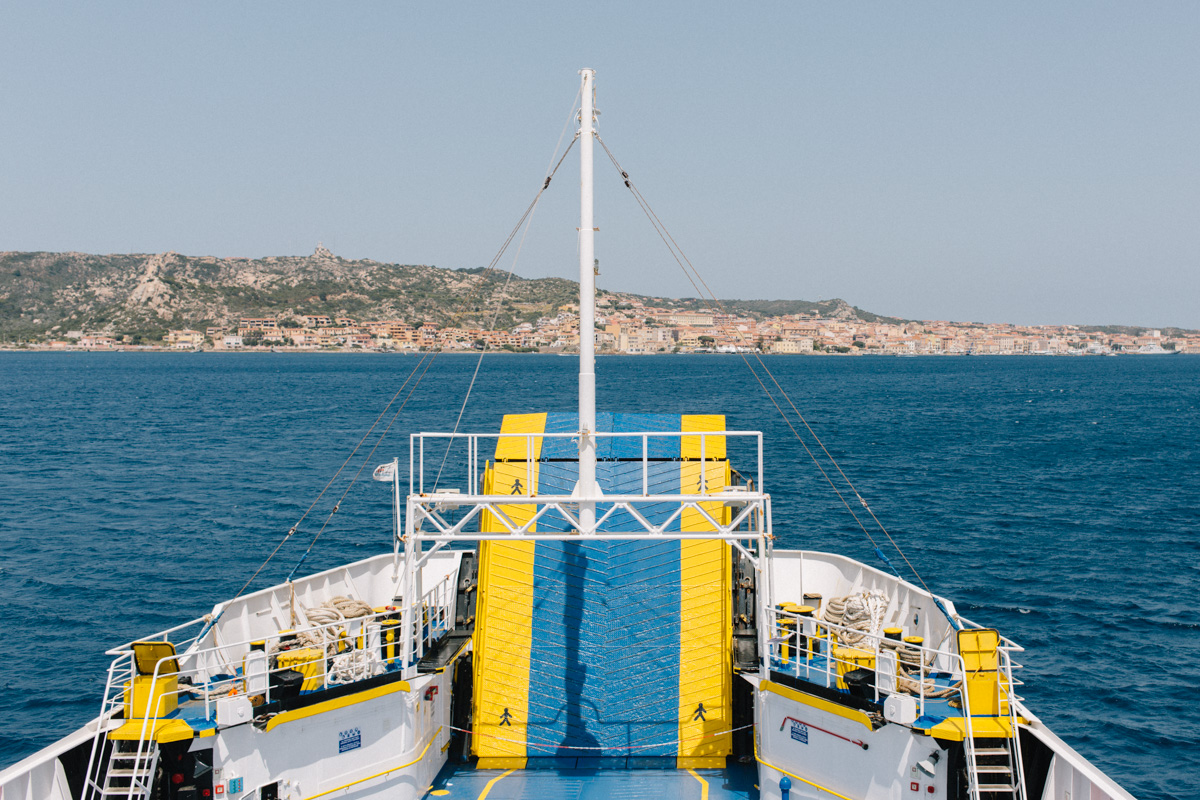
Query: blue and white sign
[
  {"x": 800, "y": 732},
  {"x": 349, "y": 740}
]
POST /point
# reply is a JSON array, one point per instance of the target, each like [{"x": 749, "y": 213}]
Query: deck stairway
[
  {"x": 993, "y": 744},
  {"x": 994, "y": 774},
  {"x": 130, "y": 773},
  {"x": 143, "y": 691},
  {"x": 598, "y": 649}
]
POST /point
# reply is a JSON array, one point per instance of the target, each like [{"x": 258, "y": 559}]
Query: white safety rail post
[
  {"x": 765, "y": 594},
  {"x": 396, "y": 516},
  {"x": 646, "y": 464}
]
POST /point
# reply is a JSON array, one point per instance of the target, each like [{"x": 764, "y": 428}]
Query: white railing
[
  {"x": 810, "y": 641},
  {"x": 120, "y": 673},
  {"x": 646, "y": 510},
  {"x": 1008, "y": 665},
  {"x": 443, "y": 445},
  {"x": 438, "y": 608},
  {"x": 428, "y": 515},
  {"x": 342, "y": 652},
  {"x": 444, "y": 515},
  {"x": 800, "y": 632}
]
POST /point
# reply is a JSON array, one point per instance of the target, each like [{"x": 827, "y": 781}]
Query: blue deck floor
[{"x": 460, "y": 782}]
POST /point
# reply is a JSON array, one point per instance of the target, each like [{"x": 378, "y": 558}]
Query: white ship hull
[{"x": 403, "y": 728}]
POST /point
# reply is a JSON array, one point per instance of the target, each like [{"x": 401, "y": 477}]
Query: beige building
[
  {"x": 792, "y": 346},
  {"x": 259, "y": 324},
  {"x": 185, "y": 339}
]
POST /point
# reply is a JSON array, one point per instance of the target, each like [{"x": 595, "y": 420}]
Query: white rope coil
[
  {"x": 862, "y": 613},
  {"x": 332, "y": 611},
  {"x": 351, "y": 666}
]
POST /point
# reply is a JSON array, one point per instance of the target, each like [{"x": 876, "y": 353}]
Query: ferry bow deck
[{"x": 662, "y": 649}]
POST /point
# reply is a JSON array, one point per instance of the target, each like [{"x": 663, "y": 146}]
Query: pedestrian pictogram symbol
[
  {"x": 506, "y": 718},
  {"x": 517, "y": 487},
  {"x": 699, "y": 715}
]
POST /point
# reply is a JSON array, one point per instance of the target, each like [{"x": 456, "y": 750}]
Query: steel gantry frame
[{"x": 434, "y": 519}]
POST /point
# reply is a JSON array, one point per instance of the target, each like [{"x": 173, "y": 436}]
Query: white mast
[{"x": 587, "y": 300}]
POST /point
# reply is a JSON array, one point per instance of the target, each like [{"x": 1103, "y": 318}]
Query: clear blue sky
[{"x": 1026, "y": 162}]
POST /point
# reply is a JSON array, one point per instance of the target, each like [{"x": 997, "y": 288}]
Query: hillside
[{"x": 47, "y": 294}]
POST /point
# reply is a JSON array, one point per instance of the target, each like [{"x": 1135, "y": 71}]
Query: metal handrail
[
  {"x": 435, "y": 612},
  {"x": 873, "y": 642},
  {"x": 750, "y": 521},
  {"x": 416, "y": 473},
  {"x": 162, "y": 636}
]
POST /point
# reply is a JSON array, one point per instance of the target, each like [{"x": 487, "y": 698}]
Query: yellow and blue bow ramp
[{"x": 605, "y": 649}]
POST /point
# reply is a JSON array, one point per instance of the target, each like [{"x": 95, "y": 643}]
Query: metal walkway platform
[{"x": 461, "y": 782}]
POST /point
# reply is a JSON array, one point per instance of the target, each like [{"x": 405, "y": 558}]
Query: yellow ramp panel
[
  {"x": 503, "y": 634},
  {"x": 714, "y": 446},
  {"x": 503, "y": 629},
  {"x": 706, "y": 628}
]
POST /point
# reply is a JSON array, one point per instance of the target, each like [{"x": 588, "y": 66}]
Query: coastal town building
[
  {"x": 185, "y": 339},
  {"x": 636, "y": 328},
  {"x": 259, "y": 324}
]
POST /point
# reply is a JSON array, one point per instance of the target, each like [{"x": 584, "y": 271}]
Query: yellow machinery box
[
  {"x": 310, "y": 661},
  {"x": 151, "y": 698}
]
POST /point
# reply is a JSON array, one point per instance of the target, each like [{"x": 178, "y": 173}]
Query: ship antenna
[{"x": 586, "y": 489}]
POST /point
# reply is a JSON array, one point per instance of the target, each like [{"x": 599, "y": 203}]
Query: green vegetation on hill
[
  {"x": 48, "y": 294},
  {"x": 45, "y": 295}
]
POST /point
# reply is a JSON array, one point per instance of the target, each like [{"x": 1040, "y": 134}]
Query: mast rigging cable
[
  {"x": 490, "y": 268},
  {"x": 681, "y": 259},
  {"x": 550, "y": 172}
]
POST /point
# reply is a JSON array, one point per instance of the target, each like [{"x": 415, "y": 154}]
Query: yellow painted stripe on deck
[
  {"x": 504, "y": 620},
  {"x": 706, "y": 629},
  {"x": 495, "y": 780},
  {"x": 513, "y": 473},
  {"x": 516, "y": 447}
]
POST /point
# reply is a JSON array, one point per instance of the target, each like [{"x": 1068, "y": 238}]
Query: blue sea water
[{"x": 1057, "y": 499}]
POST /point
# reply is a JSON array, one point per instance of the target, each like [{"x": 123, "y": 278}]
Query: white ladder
[
  {"x": 994, "y": 765},
  {"x": 995, "y": 776},
  {"x": 131, "y": 767}
]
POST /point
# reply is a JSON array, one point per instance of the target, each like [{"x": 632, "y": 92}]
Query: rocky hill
[{"x": 47, "y": 294}]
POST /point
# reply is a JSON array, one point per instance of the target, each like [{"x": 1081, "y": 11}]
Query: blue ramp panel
[{"x": 604, "y": 667}]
